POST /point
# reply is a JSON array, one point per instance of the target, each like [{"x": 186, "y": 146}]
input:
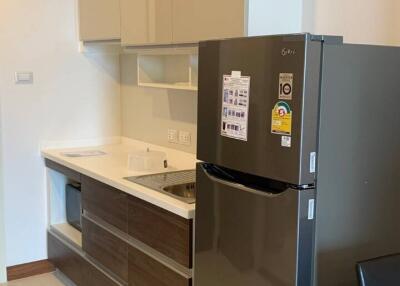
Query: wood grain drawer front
[
  {"x": 106, "y": 248},
  {"x": 66, "y": 260},
  {"x": 145, "y": 271},
  {"x": 97, "y": 278},
  {"x": 69, "y": 173},
  {"x": 105, "y": 202},
  {"x": 163, "y": 231},
  {"x": 74, "y": 265}
]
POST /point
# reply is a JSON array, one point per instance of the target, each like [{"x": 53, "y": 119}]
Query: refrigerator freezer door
[
  {"x": 283, "y": 74},
  {"x": 251, "y": 237}
]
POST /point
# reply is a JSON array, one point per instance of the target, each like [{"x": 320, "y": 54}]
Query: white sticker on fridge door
[
  {"x": 286, "y": 141},
  {"x": 313, "y": 156},
  {"x": 235, "y": 106}
]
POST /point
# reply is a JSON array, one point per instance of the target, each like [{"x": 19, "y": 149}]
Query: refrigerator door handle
[{"x": 240, "y": 186}]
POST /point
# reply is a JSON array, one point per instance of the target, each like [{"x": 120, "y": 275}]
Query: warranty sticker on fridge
[
  {"x": 281, "y": 119},
  {"x": 235, "y": 106}
]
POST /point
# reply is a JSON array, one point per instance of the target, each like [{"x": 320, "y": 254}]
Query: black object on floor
[{"x": 382, "y": 271}]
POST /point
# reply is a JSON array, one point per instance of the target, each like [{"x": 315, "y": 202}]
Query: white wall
[
  {"x": 359, "y": 21},
  {"x": 73, "y": 97},
  {"x": 267, "y": 17}
]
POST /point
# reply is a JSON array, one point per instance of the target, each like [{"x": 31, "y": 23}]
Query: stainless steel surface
[
  {"x": 244, "y": 238},
  {"x": 248, "y": 238},
  {"x": 261, "y": 58},
  {"x": 180, "y": 184},
  {"x": 187, "y": 190},
  {"x": 239, "y": 186},
  {"x": 358, "y": 195}
]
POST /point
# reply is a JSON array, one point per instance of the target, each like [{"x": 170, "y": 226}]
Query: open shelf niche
[
  {"x": 169, "y": 70},
  {"x": 56, "y": 183}
]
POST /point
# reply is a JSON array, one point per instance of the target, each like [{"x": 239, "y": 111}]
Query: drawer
[
  {"x": 145, "y": 271},
  {"x": 97, "y": 278},
  {"x": 73, "y": 265},
  {"x": 106, "y": 248},
  {"x": 105, "y": 202},
  {"x": 66, "y": 260},
  {"x": 162, "y": 230}
]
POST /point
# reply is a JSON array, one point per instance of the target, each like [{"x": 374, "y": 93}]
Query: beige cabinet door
[
  {"x": 146, "y": 22},
  {"x": 99, "y": 20},
  {"x": 197, "y": 20}
]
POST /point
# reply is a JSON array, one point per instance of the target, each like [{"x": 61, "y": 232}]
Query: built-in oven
[{"x": 74, "y": 205}]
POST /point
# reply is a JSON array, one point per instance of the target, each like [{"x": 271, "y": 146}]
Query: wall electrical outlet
[
  {"x": 184, "y": 138},
  {"x": 173, "y": 136}
]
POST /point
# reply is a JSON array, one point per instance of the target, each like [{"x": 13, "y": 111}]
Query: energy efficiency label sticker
[{"x": 281, "y": 119}]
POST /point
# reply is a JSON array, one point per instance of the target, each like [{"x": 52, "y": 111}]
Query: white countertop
[{"x": 112, "y": 168}]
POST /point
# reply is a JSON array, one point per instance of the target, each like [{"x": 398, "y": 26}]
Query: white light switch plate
[
  {"x": 184, "y": 138},
  {"x": 23, "y": 77},
  {"x": 173, "y": 136}
]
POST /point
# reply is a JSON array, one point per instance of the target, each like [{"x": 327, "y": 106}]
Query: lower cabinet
[
  {"x": 145, "y": 271},
  {"x": 106, "y": 202},
  {"x": 129, "y": 264},
  {"x": 125, "y": 240},
  {"x": 151, "y": 225},
  {"x": 106, "y": 248},
  {"x": 66, "y": 259},
  {"x": 74, "y": 265}
]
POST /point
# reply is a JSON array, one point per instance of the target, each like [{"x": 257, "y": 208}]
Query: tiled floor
[{"x": 49, "y": 279}]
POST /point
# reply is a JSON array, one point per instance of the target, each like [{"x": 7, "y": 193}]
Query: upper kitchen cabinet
[
  {"x": 163, "y": 22},
  {"x": 146, "y": 22},
  {"x": 99, "y": 20},
  {"x": 197, "y": 20}
]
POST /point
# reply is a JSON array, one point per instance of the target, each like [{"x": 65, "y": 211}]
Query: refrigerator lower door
[{"x": 245, "y": 236}]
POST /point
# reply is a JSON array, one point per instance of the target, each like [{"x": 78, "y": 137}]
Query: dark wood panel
[
  {"x": 105, "y": 202},
  {"x": 72, "y": 174},
  {"x": 66, "y": 260},
  {"x": 106, "y": 248},
  {"x": 145, "y": 271},
  {"x": 29, "y": 269},
  {"x": 95, "y": 277},
  {"x": 75, "y": 266},
  {"x": 162, "y": 230}
]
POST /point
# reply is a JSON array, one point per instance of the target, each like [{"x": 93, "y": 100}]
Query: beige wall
[
  {"x": 147, "y": 113},
  {"x": 268, "y": 17},
  {"x": 359, "y": 21},
  {"x": 3, "y": 276},
  {"x": 73, "y": 97}
]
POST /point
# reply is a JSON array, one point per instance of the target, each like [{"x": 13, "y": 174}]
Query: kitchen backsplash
[{"x": 148, "y": 113}]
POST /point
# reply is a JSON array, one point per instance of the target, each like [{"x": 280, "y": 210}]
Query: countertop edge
[{"x": 185, "y": 213}]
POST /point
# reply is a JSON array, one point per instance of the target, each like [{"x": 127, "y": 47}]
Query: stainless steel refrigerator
[{"x": 298, "y": 138}]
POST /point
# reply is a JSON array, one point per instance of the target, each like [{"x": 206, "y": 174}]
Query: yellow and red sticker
[{"x": 281, "y": 119}]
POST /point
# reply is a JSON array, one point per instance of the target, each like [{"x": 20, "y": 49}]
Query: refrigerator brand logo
[{"x": 288, "y": 52}]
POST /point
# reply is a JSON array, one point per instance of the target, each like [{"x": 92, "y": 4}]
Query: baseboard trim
[{"x": 29, "y": 269}]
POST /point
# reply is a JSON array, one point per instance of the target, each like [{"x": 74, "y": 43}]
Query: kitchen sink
[
  {"x": 179, "y": 184},
  {"x": 187, "y": 190}
]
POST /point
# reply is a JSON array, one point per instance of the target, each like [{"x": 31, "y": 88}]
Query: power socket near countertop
[{"x": 179, "y": 137}]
